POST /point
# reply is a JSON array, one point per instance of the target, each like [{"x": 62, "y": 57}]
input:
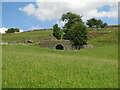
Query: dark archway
[{"x": 59, "y": 47}]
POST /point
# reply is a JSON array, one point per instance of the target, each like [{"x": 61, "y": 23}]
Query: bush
[
  {"x": 78, "y": 33},
  {"x": 12, "y": 30},
  {"x": 57, "y": 32}
]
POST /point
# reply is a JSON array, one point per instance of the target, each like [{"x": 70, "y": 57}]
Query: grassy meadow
[
  {"x": 36, "y": 36},
  {"x": 29, "y": 66}
]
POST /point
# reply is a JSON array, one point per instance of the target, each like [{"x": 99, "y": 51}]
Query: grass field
[
  {"x": 29, "y": 66},
  {"x": 107, "y": 38},
  {"x": 36, "y": 36}
]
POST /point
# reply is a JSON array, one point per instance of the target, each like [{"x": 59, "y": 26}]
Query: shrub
[
  {"x": 12, "y": 30},
  {"x": 78, "y": 33},
  {"x": 57, "y": 32}
]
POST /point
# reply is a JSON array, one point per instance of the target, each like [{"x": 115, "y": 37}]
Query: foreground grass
[{"x": 33, "y": 67}]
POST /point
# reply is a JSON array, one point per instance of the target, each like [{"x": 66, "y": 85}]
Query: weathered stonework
[
  {"x": 63, "y": 45},
  {"x": 57, "y": 44}
]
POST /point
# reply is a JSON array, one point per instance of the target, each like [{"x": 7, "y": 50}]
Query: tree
[
  {"x": 98, "y": 23},
  {"x": 71, "y": 19},
  {"x": 74, "y": 29},
  {"x": 17, "y": 29},
  {"x": 57, "y": 32},
  {"x": 78, "y": 34},
  {"x": 91, "y": 22},
  {"x": 12, "y": 30},
  {"x": 103, "y": 25},
  {"x": 95, "y": 23}
]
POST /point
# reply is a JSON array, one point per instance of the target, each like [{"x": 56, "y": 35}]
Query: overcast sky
[{"x": 45, "y": 13}]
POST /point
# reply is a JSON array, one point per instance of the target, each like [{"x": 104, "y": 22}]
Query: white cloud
[
  {"x": 52, "y": 9},
  {"x": 3, "y": 29},
  {"x": 60, "y": 23},
  {"x": 30, "y": 9},
  {"x": 21, "y": 30}
]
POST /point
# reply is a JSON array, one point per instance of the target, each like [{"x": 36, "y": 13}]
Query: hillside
[
  {"x": 33, "y": 67},
  {"x": 103, "y": 38},
  {"x": 36, "y": 36},
  {"x": 29, "y": 66},
  {"x": 96, "y": 38}
]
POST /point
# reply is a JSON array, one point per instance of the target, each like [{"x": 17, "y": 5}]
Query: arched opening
[{"x": 59, "y": 47}]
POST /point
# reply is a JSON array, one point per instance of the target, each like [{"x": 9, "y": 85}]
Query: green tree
[
  {"x": 95, "y": 23},
  {"x": 17, "y": 29},
  {"x": 91, "y": 22},
  {"x": 12, "y": 30},
  {"x": 57, "y": 32},
  {"x": 103, "y": 25},
  {"x": 98, "y": 23},
  {"x": 78, "y": 34},
  {"x": 71, "y": 19}
]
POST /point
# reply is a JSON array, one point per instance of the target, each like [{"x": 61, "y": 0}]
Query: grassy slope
[
  {"x": 30, "y": 66},
  {"x": 111, "y": 38},
  {"x": 35, "y": 36}
]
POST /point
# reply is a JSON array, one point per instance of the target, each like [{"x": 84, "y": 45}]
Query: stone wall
[{"x": 67, "y": 45}]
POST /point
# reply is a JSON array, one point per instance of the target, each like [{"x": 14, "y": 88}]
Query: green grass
[
  {"x": 33, "y": 67},
  {"x": 29, "y": 66},
  {"x": 111, "y": 38},
  {"x": 36, "y": 36},
  {"x": 105, "y": 29}
]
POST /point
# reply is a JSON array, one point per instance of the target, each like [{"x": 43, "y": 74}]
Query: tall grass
[
  {"x": 33, "y": 67},
  {"x": 29, "y": 66}
]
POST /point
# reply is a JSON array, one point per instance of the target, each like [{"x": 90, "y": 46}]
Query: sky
[{"x": 44, "y": 14}]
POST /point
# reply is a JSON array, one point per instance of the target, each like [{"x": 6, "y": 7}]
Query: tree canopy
[
  {"x": 95, "y": 23},
  {"x": 12, "y": 30},
  {"x": 57, "y": 32},
  {"x": 70, "y": 19},
  {"x": 78, "y": 34},
  {"x": 73, "y": 30},
  {"x": 103, "y": 25}
]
